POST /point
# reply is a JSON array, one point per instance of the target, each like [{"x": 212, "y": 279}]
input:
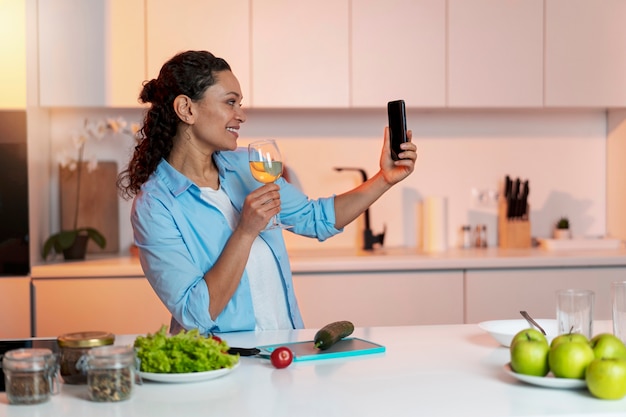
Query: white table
[{"x": 454, "y": 370}]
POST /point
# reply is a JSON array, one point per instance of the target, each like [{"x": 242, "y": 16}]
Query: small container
[
  {"x": 466, "y": 236},
  {"x": 483, "y": 235},
  {"x": 30, "y": 375},
  {"x": 478, "y": 236},
  {"x": 72, "y": 346},
  {"x": 110, "y": 373}
]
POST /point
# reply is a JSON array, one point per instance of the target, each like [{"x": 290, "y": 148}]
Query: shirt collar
[{"x": 177, "y": 183}]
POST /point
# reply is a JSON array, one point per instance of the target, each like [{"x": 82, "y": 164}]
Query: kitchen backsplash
[{"x": 462, "y": 155}]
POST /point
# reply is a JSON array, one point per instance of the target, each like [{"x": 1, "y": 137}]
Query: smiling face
[{"x": 215, "y": 119}]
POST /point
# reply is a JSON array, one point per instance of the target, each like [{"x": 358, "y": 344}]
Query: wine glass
[{"x": 266, "y": 166}]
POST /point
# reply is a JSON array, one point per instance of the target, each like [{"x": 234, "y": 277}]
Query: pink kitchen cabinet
[
  {"x": 14, "y": 307},
  {"x": 398, "y": 51},
  {"x": 392, "y": 298},
  {"x": 91, "y": 53},
  {"x": 120, "y": 305},
  {"x": 499, "y": 294},
  {"x": 220, "y": 27},
  {"x": 495, "y": 53},
  {"x": 300, "y": 54},
  {"x": 616, "y": 172},
  {"x": 585, "y": 60}
]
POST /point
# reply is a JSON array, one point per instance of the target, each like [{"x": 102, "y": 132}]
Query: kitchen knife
[
  {"x": 524, "y": 201},
  {"x": 243, "y": 351},
  {"x": 507, "y": 186},
  {"x": 518, "y": 201},
  {"x": 512, "y": 200}
]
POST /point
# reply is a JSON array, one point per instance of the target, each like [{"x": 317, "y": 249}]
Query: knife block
[{"x": 512, "y": 233}]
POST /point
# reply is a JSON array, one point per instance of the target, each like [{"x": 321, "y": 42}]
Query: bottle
[
  {"x": 110, "y": 373},
  {"x": 466, "y": 236},
  {"x": 72, "y": 346},
  {"x": 30, "y": 374},
  {"x": 478, "y": 239},
  {"x": 483, "y": 235}
]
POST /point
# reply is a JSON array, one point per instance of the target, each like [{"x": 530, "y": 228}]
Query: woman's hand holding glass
[{"x": 266, "y": 166}]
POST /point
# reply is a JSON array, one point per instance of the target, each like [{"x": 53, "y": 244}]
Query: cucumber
[{"x": 332, "y": 333}]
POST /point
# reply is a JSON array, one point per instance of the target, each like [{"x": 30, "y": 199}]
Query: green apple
[
  {"x": 569, "y": 337},
  {"x": 528, "y": 334},
  {"x": 607, "y": 345},
  {"x": 569, "y": 359},
  {"x": 606, "y": 378},
  {"x": 529, "y": 353}
]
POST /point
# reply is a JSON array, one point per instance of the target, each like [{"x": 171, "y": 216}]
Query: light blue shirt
[{"x": 180, "y": 236}]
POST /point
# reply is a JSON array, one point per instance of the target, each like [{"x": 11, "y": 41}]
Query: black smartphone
[{"x": 397, "y": 126}]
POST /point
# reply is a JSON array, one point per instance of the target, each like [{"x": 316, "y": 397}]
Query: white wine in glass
[{"x": 266, "y": 166}]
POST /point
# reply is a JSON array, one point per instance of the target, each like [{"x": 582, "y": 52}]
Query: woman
[{"x": 198, "y": 213}]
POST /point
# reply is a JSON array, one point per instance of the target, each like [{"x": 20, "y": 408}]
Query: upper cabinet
[
  {"x": 300, "y": 53},
  {"x": 398, "y": 52},
  {"x": 585, "y": 53},
  {"x": 331, "y": 53},
  {"x": 91, "y": 53},
  {"x": 495, "y": 53},
  {"x": 13, "y": 53},
  {"x": 220, "y": 27}
]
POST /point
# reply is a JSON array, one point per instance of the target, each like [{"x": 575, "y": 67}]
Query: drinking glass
[
  {"x": 266, "y": 166},
  {"x": 618, "y": 307},
  {"x": 574, "y": 311}
]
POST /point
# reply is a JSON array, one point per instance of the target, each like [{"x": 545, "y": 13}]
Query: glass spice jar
[
  {"x": 110, "y": 373},
  {"x": 30, "y": 375},
  {"x": 72, "y": 346},
  {"x": 466, "y": 236}
]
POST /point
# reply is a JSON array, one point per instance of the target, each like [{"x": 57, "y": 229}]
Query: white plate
[
  {"x": 187, "y": 377},
  {"x": 548, "y": 381},
  {"x": 504, "y": 330}
]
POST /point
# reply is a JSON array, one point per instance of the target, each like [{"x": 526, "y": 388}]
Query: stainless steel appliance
[{"x": 14, "y": 235}]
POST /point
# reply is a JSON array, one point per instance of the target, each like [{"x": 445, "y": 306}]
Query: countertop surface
[
  {"x": 445, "y": 370},
  {"x": 384, "y": 259}
]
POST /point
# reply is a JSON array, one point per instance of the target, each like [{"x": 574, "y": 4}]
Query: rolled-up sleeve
[{"x": 168, "y": 265}]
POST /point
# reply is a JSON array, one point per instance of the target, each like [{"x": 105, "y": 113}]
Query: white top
[
  {"x": 268, "y": 296},
  {"x": 433, "y": 371}
]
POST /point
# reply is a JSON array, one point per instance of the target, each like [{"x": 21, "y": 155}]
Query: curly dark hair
[{"x": 189, "y": 73}]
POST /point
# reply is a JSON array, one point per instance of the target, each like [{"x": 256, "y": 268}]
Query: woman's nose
[{"x": 241, "y": 115}]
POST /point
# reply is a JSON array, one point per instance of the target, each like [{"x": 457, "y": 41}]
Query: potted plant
[
  {"x": 72, "y": 243},
  {"x": 562, "y": 230}
]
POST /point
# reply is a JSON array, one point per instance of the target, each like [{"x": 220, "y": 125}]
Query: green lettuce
[{"x": 187, "y": 351}]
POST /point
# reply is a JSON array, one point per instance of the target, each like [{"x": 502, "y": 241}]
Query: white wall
[{"x": 562, "y": 153}]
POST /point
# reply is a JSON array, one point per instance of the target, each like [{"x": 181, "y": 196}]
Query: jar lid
[
  {"x": 111, "y": 351},
  {"x": 85, "y": 339},
  {"x": 28, "y": 359},
  {"x": 110, "y": 357}
]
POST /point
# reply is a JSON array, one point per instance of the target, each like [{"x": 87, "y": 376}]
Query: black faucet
[{"x": 369, "y": 238}]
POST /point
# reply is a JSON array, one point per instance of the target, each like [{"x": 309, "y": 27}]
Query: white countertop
[
  {"x": 385, "y": 259},
  {"x": 389, "y": 259},
  {"x": 453, "y": 370}
]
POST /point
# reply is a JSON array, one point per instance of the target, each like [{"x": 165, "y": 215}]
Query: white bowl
[{"x": 504, "y": 330}]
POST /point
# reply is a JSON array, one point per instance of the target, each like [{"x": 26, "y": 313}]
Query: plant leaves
[
  {"x": 66, "y": 238},
  {"x": 96, "y": 237}
]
